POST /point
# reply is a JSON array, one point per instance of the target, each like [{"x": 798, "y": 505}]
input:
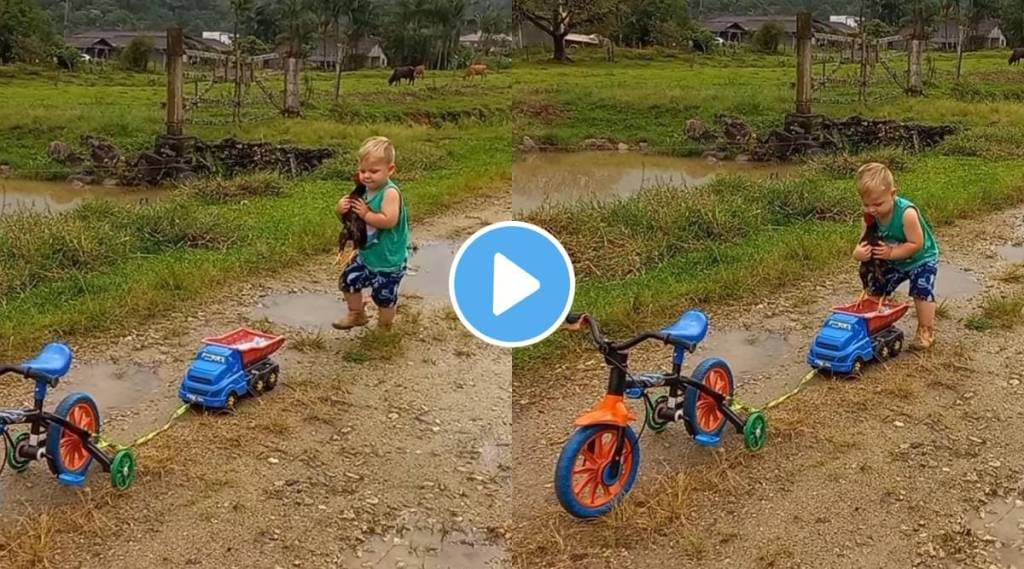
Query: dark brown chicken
[
  {"x": 871, "y": 267},
  {"x": 353, "y": 228}
]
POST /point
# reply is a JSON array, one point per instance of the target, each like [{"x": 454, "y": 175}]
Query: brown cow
[
  {"x": 420, "y": 72},
  {"x": 476, "y": 69}
]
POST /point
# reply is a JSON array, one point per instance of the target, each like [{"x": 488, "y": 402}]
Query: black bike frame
[{"x": 40, "y": 421}]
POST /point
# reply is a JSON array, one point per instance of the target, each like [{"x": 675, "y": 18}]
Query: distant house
[
  {"x": 741, "y": 29},
  {"x": 108, "y": 44},
  {"x": 849, "y": 21},
  {"x": 529, "y": 35},
  {"x": 479, "y": 40},
  {"x": 223, "y": 37},
  {"x": 946, "y": 35},
  {"x": 369, "y": 52}
]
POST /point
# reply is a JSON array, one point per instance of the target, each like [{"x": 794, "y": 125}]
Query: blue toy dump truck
[
  {"x": 230, "y": 367},
  {"x": 857, "y": 333}
]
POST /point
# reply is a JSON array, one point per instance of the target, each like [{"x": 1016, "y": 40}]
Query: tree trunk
[
  {"x": 560, "y": 54},
  {"x": 960, "y": 51},
  {"x": 337, "y": 72}
]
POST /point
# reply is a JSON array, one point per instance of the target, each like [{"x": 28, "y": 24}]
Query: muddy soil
[
  {"x": 376, "y": 449},
  {"x": 918, "y": 463}
]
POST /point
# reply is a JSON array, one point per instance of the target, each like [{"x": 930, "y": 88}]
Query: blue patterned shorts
[
  {"x": 922, "y": 281},
  {"x": 383, "y": 285}
]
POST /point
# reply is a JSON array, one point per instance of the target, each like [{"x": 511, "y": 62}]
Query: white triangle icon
[{"x": 512, "y": 284}]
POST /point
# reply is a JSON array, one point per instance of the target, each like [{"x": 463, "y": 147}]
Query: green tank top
[
  {"x": 894, "y": 234},
  {"x": 387, "y": 250}
]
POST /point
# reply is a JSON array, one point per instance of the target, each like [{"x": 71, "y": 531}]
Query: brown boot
[
  {"x": 924, "y": 340},
  {"x": 385, "y": 318},
  {"x": 353, "y": 319}
]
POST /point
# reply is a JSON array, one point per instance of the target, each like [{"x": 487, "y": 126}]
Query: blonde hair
[
  {"x": 377, "y": 147},
  {"x": 873, "y": 177}
]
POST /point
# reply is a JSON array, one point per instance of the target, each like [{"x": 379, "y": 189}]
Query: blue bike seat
[
  {"x": 688, "y": 331},
  {"x": 54, "y": 361}
]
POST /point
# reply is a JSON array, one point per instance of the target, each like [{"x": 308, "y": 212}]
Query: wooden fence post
[
  {"x": 175, "y": 82},
  {"x": 804, "y": 86}
]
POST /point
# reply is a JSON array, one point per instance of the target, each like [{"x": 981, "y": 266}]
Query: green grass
[
  {"x": 646, "y": 98},
  {"x": 1003, "y": 311},
  {"x": 103, "y": 267}
]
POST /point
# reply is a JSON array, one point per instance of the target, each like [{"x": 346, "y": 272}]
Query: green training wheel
[
  {"x": 17, "y": 464},
  {"x": 652, "y": 417},
  {"x": 755, "y": 431},
  {"x": 122, "y": 469}
]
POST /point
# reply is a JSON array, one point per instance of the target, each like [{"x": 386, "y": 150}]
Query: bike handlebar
[
  {"x": 604, "y": 343},
  {"x": 28, "y": 373}
]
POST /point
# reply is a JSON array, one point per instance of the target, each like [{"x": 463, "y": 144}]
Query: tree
[
  {"x": 558, "y": 18},
  {"x": 24, "y": 31},
  {"x": 651, "y": 22},
  {"x": 135, "y": 56},
  {"x": 702, "y": 39},
  {"x": 299, "y": 27},
  {"x": 1012, "y": 16},
  {"x": 768, "y": 37}
]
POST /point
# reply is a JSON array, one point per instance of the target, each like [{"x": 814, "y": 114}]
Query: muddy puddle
[
  {"x": 114, "y": 387},
  {"x": 429, "y": 265},
  {"x": 428, "y": 550},
  {"x": 748, "y": 353},
  {"x": 55, "y": 197},
  {"x": 555, "y": 178},
  {"x": 954, "y": 283},
  {"x": 1011, "y": 253},
  {"x": 309, "y": 310},
  {"x": 1003, "y": 520}
]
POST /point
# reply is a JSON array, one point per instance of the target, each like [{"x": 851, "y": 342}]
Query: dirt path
[
  {"x": 920, "y": 463},
  {"x": 383, "y": 450}
]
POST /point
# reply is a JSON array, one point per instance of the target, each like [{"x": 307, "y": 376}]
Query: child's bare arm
[
  {"x": 915, "y": 239},
  {"x": 388, "y": 216}
]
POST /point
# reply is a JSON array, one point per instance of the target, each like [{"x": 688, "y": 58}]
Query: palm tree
[{"x": 448, "y": 17}]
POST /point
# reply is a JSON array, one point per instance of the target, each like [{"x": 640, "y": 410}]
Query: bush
[
  {"x": 768, "y": 37},
  {"x": 135, "y": 56}
]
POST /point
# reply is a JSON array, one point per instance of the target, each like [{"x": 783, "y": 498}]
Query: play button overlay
[{"x": 512, "y": 284}]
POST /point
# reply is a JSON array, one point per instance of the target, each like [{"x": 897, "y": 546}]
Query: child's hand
[
  {"x": 862, "y": 253},
  {"x": 882, "y": 252},
  {"x": 360, "y": 207},
  {"x": 344, "y": 205}
]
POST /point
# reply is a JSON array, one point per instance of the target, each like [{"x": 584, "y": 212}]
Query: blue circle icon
[{"x": 512, "y": 284}]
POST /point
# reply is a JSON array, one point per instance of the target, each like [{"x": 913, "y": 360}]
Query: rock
[
  {"x": 715, "y": 155},
  {"x": 528, "y": 145},
  {"x": 64, "y": 154},
  {"x": 5, "y": 170},
  {"x": 743, "y": 158},
  {"x": 898, "y": 424},
  {"x": 81, "y": 180},
  {"x": 1013, "y": 382},
  {"x": 644, "y": 147},
  {"x": 110, "y": 183},
  {"x": 103, "y": 153},
  {"x": 623, "y": 147},
  {"x": 735, "y": 130},
  {"x": 597, "y": 144},
  {"x": 77, "y": 185},
  {"x": 273, "y": 460},
  {"x": 392, "y": 416},
  {"x": 697, "y": 130}
]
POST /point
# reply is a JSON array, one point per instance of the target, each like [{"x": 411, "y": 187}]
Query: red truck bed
[
  {"x": 879, "y": 315},
  {"x": 253, "y": 345}
]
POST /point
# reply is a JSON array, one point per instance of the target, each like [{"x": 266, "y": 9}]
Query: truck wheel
[
  {"x": 858, "y": 365},
  {"x": 896, "y": 347},
  {"x": 257, "y": 385},
  {"x": 270, "y": 381}
]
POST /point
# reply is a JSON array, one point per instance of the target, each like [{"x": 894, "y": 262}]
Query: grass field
[
  {"x": 641, "y": 261},
  {"x": 103, "y": 266}
]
